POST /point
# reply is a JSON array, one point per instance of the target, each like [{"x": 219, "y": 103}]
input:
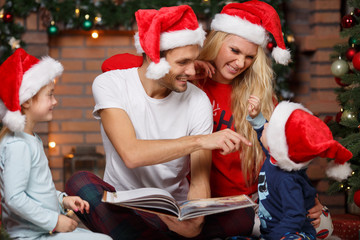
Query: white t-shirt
[{"x": 175, "y": 116}]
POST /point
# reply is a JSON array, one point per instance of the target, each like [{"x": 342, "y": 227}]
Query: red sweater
[{"x": 226, "y": 174}]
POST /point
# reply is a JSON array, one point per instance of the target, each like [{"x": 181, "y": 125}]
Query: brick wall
[
  {"x": 315, "y": 24},
  {"x": 82, "y": 56}
]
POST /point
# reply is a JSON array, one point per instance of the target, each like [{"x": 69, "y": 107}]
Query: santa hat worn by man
[
  {"x": 297, "y": 137},
  {"x": 251, "y": 20},
  {"x": 21, "y": 77},
  {"x": 165, "y": 29}
]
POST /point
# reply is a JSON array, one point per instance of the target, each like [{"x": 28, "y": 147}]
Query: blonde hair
[{"x": 257, "y": 80}]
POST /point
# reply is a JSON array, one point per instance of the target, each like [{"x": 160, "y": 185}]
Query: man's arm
[
  {"x": 199, "y": 188},
  {"x": 136, "y": 152}
]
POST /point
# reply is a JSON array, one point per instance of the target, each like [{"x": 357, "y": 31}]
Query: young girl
[{"x": 31, "y": 206}]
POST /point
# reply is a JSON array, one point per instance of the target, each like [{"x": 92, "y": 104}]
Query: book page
[
  {"x": 144, "y": 198},
  {"x": 200, "y": 207}
]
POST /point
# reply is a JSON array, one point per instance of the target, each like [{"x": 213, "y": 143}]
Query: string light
[
  {"x": 87, "y": 16},
  {"x": 98, "y": 19},
  {"x": 94, "y": 34},
  {"x": 77, "y": 12},
  {"x": 52, "y": 144}
]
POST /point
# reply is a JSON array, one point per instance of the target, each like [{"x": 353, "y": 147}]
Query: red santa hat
[
  {"x": 21, "y": 77},
  {"x": 295, "y": 137},
  {"x": 251, "y": 20},
  {"x": 164, "y": 29}
]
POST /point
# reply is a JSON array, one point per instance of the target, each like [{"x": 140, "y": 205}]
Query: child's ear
[{"x": 26, "y": 104}]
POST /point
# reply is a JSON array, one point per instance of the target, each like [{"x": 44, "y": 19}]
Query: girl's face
[
  {"x": 42, "y": 105},
  {"x": 235, "y": 56}
]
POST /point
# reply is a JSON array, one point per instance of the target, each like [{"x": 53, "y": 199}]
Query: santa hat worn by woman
[
  {"x": 251, "y": 20},
  {"x": 21, "y": 77},
  {"x": 295, "y": 137},
  {"x": 165, "y": 29}
]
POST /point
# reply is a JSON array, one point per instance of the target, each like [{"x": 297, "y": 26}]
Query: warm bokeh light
[
  {"x": 77, "y": 12},
  {"x": 95, "y": 34},
  {"x": 52, "y": 144}
]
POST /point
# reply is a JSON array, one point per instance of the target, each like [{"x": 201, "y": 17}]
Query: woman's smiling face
[{"x": 235, "y": 56}]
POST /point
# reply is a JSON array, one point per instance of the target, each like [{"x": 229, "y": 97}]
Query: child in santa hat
[
  {"x": 31, "y": 206},
  {"x": 291, "y": 139}
]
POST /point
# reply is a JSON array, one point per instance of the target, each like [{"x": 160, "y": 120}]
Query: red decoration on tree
[
  {"x": 356, "y": 61},
  {"x": 357, "y": 12},
  {"x": 338, "y": 117},
  {"x": 270, "y": 46},
  {"x": 350, "y": 53},
  {"x": 339, "y": 82},
  {"x": 348, "y": 21},
  {"x": 8, "y": 17},
  {"x": 357, "y": 198}
]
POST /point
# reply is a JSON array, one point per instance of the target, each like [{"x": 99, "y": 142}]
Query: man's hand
[
  {"x": 65, "y": 224},
  {"x": 254, "y": 106},
  {"x": 227, "y": 140},
  {"x": 187, "y": 228}
]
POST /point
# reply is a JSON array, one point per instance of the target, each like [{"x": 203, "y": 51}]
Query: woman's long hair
[{"x": 257, "y": 80}]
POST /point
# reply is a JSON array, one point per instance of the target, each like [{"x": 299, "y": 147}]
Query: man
[{"x": 155, "y": 128}]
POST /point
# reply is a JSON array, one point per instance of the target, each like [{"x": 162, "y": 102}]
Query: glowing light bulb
[
  {"x": 52, "y": 144},
  {"x": 94, "y": 34}
]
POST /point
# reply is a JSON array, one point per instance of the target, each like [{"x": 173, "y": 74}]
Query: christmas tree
[{"x": 346, "y": 127}]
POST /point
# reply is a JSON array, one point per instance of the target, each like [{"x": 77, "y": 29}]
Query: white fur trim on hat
[
  {"x": 240, "y": 27},
  {"x": 180, "y": 38},
  {"x": 137, "y": 44},
  {"x": 158, "y": 70},
  {"x": 15, "y": 121},
  {"x": 276, "y": 130},
  {"x": 281, "y": 56},
  {"x": 38, "y": 76},
  {"x": 338, "y": 172}
]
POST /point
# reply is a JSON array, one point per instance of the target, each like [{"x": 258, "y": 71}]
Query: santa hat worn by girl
[
  {"x": 165, "y": 29},
  {"x": 251, "y": 20},
  {"x": 295, "y": 137},
  {"x": 21, "y": 77}
]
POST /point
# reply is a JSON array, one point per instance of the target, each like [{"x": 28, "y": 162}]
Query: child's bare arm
[{"x": 254, "y": 106}]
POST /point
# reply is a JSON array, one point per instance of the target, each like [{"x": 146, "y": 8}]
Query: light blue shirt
[{"x": 30, "y": 202}]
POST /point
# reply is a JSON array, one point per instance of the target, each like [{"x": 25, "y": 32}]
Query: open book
[{"x": 160, "y": 201}]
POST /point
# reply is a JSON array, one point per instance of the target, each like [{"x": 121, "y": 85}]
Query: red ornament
[
  {"x": 357, "y": 198},
  {"x": 328, "y": 119},
  {"x": 350, "y": 53},
  {"x": 8, "y": 17},
  {"x": 356, "y": 61},
  {"x": 270, "y": 46},
  {"x": 357, "y": 12},
  {"x": 339, "y": 82},
  {"x": 338, "y": 116},
  {"x": 348, "y": 21}
]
